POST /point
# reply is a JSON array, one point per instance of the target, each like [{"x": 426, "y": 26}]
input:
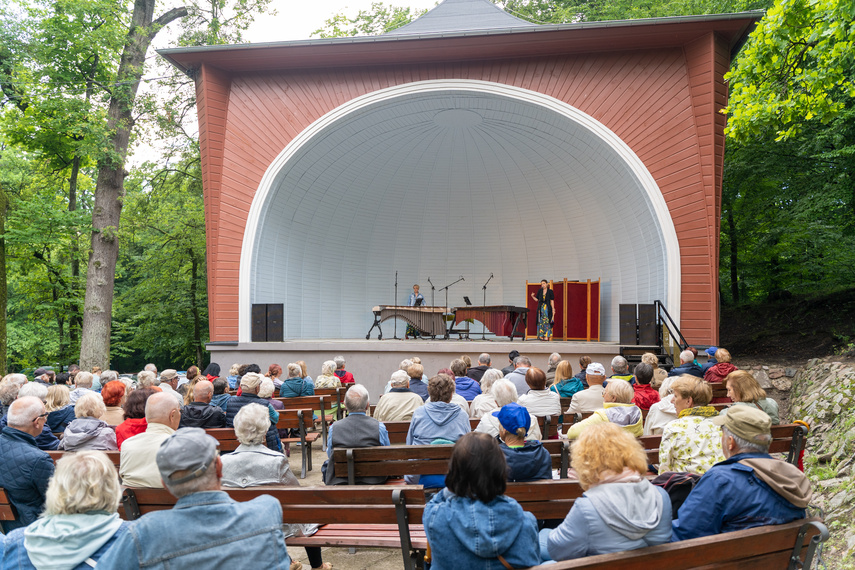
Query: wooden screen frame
[{"x": 591, "y": 305}]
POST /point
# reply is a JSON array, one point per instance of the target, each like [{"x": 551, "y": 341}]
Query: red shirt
[
  {"x": 129, "y": 428},
  {"x": 345, "y": 376},
  {"x": 645, "y": 396}
]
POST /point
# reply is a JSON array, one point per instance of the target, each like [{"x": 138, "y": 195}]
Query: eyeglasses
[{"x": 37, "y": 418}]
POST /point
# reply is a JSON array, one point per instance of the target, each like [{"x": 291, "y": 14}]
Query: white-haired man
[
  {"x": 620, "y": 370},
  {"x": 477, "y": 372},
  {"x": 82, "y": 385},
  {"x": 517, "y": 377},
  {"x": 45, "y": 440},
  {"x": 687, "y": 365},
  {"x": 137, "y": 461},
  {"x": 225, "y": 533},
  {"x": 355, "y": 430},
  {"x": 400, "y": 403},
  {"x": 24, "y": 469}
]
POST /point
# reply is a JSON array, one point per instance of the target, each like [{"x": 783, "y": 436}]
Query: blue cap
[
  {"x": 711, "y": 350},
  {"x": 513, "y": 417}
]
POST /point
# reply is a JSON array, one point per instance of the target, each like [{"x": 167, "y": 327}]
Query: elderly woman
[
  {"x": 59, "y": 408},
  {"x": 620, "y": 509},
  {"x": 79, "y": 523},
  {"x": 134, "y": 409},
  {"x": 418, "y": 384},
  {"x": 505, "y": 393},
  {"x": 617, "y": 409},
  {"x": 485, "y": 402},
  {"x": 274, "y": 372},
  {"x": 465, "y": 386},
  {"x": 438, "y": 419},
  {"x": 691, "y": 443},
  {"x": 295, "y": 386},
  {"x": 400, "y": 402},
  {"x": 527, "y": 460},
  {"x": 716, "y": 373},
  {"x": 89, "y": 431},
  {"x": 539, "y": 400},
  {"x": 328, "y": 379},
  {"x": 471, "y": 523},
  {"x": 744, "y": 390},
  {"x": 252, "y": 464},
  {"x": 113, "y": 394},
  {"x": 565, "y": 383},
  {"x": 662, "y": 411}
]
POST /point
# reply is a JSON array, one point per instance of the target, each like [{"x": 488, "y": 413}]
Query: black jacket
[{"x": 202, "y": 415}]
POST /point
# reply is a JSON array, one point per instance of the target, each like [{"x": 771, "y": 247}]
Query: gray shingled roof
[{"x": 460, "y": 16}]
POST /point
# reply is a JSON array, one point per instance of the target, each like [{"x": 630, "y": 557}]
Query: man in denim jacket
[{"x": 206, "y": 527}]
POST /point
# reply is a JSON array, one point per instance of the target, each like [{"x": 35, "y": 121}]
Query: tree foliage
[{"x": 379, "y": 19}]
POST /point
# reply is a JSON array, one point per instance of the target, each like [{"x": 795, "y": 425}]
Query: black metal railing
[{"x": 665, "y": 322}]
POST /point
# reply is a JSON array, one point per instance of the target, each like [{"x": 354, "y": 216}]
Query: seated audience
[
  {"x": 687, "y": 366},
  {"x": 169, "y": 384},
  {"x": 750, "y": 488},
  {"x": 662, "y": 411},
  {"x": 744, "y": 390},
  {"x": 477, "y": 372},
  {"x": 234, "y": 376},
  {"x": 551, "y": 367},
  {"x": 343, "y": 375},
  {"x": 485, "y": 402},
  {"x": 304, "y": 367},
  {"x": 137, "y": 465},
  {"x": 265, "y": 392},
  {"x": 539, "y": 400},
  {"x": 617, "y": 409},
  {"x": 591, "y": 398},
  {"x": 80, "y": 522},
  {"x": 455, "y": 397},
  {"x": 711, "y": 359},
  {"x": 438, "y": 419},
  {"x": 471, "y": 523},
  {"x": 527, "y": 460},
  {"x": 566, "y": 385},
  {"x": 328, "y": 379},
  {"x": 717, "y": 373},
  {"x": 512, "y": 355},
  {"x": 294, "y": 386},
  {"x": 620, "y": 370},
  {"x": 9, "y": 387},
  {"x": 59, "y": 408},
  {"x": 25, "y": 478},
  {"x": 517, "y": 376},
  {"x": 692, "y": 442},
  {"x": 206, "y": 528},
  {"x": 417, "y": 384},
  {"x": 582, "y": 375},
  {"x": 645, "y": 396},
  {"x": 113, "y": 394},
  {"x": 620, "y": 509},
  {"x": 249, "y": 384},
  {"x": 463, "y": 385},
  {"x": 274, "y": 372},
  {"x": 355, "y": 430},
  {"x": 505, "y": 393},
  {"x": 147, "y": 379},
  {"x": 134, "y": 412},
  {"x": 45, "y": 440},
  {"x": 82, "y": 385},
  {"x": 659, "y": 374},
  {"x": 220, "y": 397},
  {"x": 199, "y": 412},
  {"x": 89, "y": 431},
  {"x": 400, "y": 403},
  {"x": 405, "y": 364},
  {"x": 211, "y": 372}
]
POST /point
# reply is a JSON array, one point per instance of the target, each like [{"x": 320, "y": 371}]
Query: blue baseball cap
[
  {"x": 711, "y": 350},
  {"x": 513, "y": 417}
]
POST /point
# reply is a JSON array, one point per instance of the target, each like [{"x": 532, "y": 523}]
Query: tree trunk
[
  {"x": 74, "y": 320},
  {"x": 3, "y": 290},
  {"x": 194, "y": 304},
  {"x": 734, "y": 260},
  {"x": 101, "y": 273}
]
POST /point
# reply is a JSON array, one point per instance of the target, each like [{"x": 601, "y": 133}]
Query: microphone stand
[
  {"x": 396, "y": 307},
  {"x": 484, "y": 287},
  {"x": 431, "y": 292},
  {"x": 446, "y": 300}
]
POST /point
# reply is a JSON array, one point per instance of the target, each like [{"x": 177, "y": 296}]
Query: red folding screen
[{"x": 577, "y": 310}]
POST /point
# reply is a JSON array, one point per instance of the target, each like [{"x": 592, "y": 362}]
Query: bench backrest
[
  {"x": 113, "y": 456},
  {"x": 7, "y": 511}
]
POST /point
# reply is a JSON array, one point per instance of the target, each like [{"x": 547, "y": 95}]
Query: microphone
[
  {"x": 491, "y": 276},
  {"x": 462, "y": 279}
]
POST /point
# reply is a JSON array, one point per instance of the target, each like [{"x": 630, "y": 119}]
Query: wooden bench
[
  {"x": 113, "y": 456},
  {"x": 792, "y": 546},
  {"x": 375, "y": 517},
  {"x": 336, "y": 396},
  {"x": 315, "y": 403},
  {"x": 7, "y": 510},
  {"x": 400, "y": 460},
  {"x": 398, "y": 430}
]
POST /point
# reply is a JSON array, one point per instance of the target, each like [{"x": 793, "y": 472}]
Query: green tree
[{"x": 379, "y": 19}]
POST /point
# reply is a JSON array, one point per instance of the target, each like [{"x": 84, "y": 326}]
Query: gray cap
[
  {"x": 188, "y": 449},
  {"x": 168, "y": 374}
]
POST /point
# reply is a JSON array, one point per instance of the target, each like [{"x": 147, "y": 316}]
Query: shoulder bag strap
[{"x": 505, "y": 563}]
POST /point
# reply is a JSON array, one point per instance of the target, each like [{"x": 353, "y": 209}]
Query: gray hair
[
  {"x": 489, "y": 377},
  {"x": 554, "y": 359},
  {"x": 151, "y": 368},
  {"x": 339, "y": 361},
  {"x": 251, "y": 424},
  {"x": 8, "y": 392},
  {"x": 666, "y": 386},
  {"x": 504, "y": 392},
  {"x": 356, "y": 399},
  {"x": 687, "y": 356},
  {"x": 745, "y": 446},
  {"x": 328, "y": 368},
  {"x": 83, "y": 379},
  {"x": 19, "y": 379},
  {"x": 400, "y": 378},
  {"x": 83, "y": 482},
  {"x": 35, "y": 389},
  {"x": 147, "y": 378},
  {"x": 485, "y": 359},
  {"x": 265, "y": 389},
  {"x": 522, "y": 361},
  {"x": 23, "y": 411},
  {"x": 406, "y": 363},
  {"x": 295, "y": 370},
  {"x": 108, "y": 376},
  {"x": 620, "y": 365},
  {"x": 90, "y": 405}
]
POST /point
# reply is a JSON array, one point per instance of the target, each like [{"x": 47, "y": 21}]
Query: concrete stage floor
[{"x": 372, "y": 361}]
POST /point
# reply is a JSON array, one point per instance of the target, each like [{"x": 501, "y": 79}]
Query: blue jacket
[
  {"x": 732, "y": 496},
  {"x": 233, "y": 382},
  {"x": 711, "y": 361},
  {"x": 294, "y": 387},
  {"x": 419, "y": 387},
  {"x": 46, "y": 440},
  {"x": 226, "y": 534},
  {"x": 527, "y": 463},
  {"x": 466, "y": 533},
  {"x": 24, "y": 474},
  {"x": 437, "y": 420},
  {"x": 467, "y": 387},
  {"x": 688, "y": 368},
  {"x": 234, "y": 405},
  {"x": 59, "y": 419},
  {"x": 17, "y": 558},
  {"x": 611, "y": 517},
  {"x": 221, "y": 401}
]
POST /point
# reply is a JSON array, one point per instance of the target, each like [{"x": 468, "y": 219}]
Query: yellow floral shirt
[{"x": 690, "y": 443}]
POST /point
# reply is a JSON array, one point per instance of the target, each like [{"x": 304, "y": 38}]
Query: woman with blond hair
[
  {"x": 744, "y": 390},
  {"x": 59, "y": 408},
  {"x": 565, "y": 383},
  {"x": 619, "y": 510},
  {"x": 691, "y": 443},
  {"x": 659, "y": 374},
  {"x": 89, "y": 431},
  {"x": 79, "y": 523}
]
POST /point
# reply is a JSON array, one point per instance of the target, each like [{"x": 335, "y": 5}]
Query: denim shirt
[{"x": 225, "y": 534}]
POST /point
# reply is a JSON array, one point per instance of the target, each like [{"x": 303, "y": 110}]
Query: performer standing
[
  {"x": 414, "y": 296},
  {"x": 545, "y": 298}
]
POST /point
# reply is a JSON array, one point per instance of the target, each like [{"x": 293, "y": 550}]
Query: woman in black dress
[{"x": 545, "y": 298}]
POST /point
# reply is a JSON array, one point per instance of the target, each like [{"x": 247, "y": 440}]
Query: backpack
[{"x": 678, "y": 485}]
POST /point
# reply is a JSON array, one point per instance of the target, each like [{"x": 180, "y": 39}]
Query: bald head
[
  {"x": 24, "y": 415},
  {"x": 162, "y": 408},
  {"x": 203, "y": 391}
]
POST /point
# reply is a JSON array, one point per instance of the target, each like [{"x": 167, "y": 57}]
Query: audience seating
[
  {"x": 7, "y": 511},
  {"x": 57, "y": 453},
  {"x": 337, "y": 395},
  {"x": 316, "y": 403}
]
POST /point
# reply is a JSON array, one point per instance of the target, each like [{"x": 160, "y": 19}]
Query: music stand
[{"x": 467, "y": 301}]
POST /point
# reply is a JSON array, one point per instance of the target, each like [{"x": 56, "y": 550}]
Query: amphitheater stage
[{"x": 373, "y": 361}]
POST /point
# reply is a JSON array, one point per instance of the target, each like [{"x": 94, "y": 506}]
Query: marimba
[
  {"x": 501, "y": 320},
  {"x": 428, "y": 320}
]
